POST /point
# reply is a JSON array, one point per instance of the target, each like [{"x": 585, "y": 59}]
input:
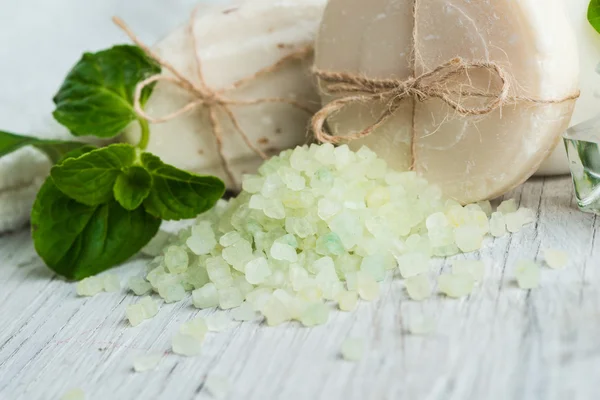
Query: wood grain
[{"x": 499, "y": 343}]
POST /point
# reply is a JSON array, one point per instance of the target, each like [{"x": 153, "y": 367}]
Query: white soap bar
[
  {"x": 234, "y": 42},
  {"x": 471, "y": 158},
  {"x": 588, "y": 105}
]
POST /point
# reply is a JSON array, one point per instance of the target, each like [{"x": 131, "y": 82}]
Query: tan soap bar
[
  {"x": 234, "y": 42},
  {"x": 471, "y": 158}
]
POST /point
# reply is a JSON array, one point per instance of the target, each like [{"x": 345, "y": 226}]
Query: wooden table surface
[{"x": 499, "y": 343}]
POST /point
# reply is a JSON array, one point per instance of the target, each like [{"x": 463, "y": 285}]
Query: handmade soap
[
  {"x": 587, "y": 107},
  {"x": 233, "y": 43},
  {"x": 519, "y": 62}
]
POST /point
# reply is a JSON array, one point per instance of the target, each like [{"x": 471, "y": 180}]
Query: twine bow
[
  {"x": 440, "y": 83},
  {"x": 211, "y": 99}
]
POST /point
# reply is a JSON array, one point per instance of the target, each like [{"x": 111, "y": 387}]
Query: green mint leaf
[
  {"x": 132, "y": 187},
  {"x": 593, "y": 14},
  {"x": 177, "y": 194},
  {"x": 54, "y": 149},
  {"x": 77, "y": 241},
  {"x": 90, "y": 178},
  {"x": 96, "y": 97}
]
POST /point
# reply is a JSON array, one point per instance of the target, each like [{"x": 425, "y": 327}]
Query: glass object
[{"x": 583, "y": 148}]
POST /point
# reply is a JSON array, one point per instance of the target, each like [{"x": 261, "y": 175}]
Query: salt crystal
[
  {"x": 74, "y": 394},
  {"x": 468, "y": 238},
  {"x": 326, "y": 209},
  {"x": 343, "y": 156},
  {"x": 366, "y": 286},
  {"x": 243, "y": 285},
  {"x": 348, "y": 227},
  {"x": 217, "y": 386},
  {"x": 300, "y": 159},
  {"x": 324, "y": 154},
  {"x": 146, "y": 362},
  {"x": 196, "y": 276},
  {"x": 257, "y": 202},
  {"x": 196, "y": 328},
  {"x": 436, "y": 221},
  {"x": 275, "y": 312},
  {"x": 252, "y": 183},
  {"x": 514, "y": 222},
  {"x": 284, "y": 252},
  {"x": 330, "y": 244},
  {"x": 171, "y": 293},
  {"x": 366, "y": 154},
  {"x": 299, "y": 226},
  {"x": 272, "y": 186},
  {"x": 245, "y": 312},
  {"x": 507, "y": 207},
  {"x": 323, "y": 264},
  {"x": 378, "y": 197},
  {"x": 456, "y": 285},
  {"x": 186, "y": 345},
  {"x": 347, "y": 300},
  {"x": 527, "y": 274},
  {"x": 257, "y": 270},
  {"x": 418, "y": 287},
  {"x": 238, "y": 254},
  {"x": 139, "y": 285},
  {"x": 353, "y": 349},
  {"x": 486, "y": 207},
  {"x": 556, "y": 258},
  {"x": 135, "y": 314},
  {"x": 292, "y": 179},
  {"x": 315, "y": 314},
  {"x": 176, "y": 259},
  {"x": 89, "y": 286},
  {"x": 476, "y": 268},
  {"x": 206, "y": 297},
  {"x": 230, "y": 238},
  {"x": 218, "y": 322},
  {"x": 219, "y": 272},
  {"x": 202, "y": 241},
  {"x": 111, "y": 283},
  {"x": 413, "y": 264},
  {"x": 375, "y": 266},
  {"x": 258, "y": 297},
  {"x": 274, "y": 208},
  {"x": 312, "y": 293},
  {"x": 230, "y": 298},
  {"x": 150, "y": 307},
  {"x": 347, "y": 263},
  {"x": 497, "y": 225}
]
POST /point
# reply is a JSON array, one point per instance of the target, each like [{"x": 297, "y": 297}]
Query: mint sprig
[
  {"x": 54, "y": 149},
  {"x": 100, "y": 206},
  {"x": 96, "y": 97},
  {"x": 593, "y": 14}
]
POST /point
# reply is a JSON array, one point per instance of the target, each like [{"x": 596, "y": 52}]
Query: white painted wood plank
[{"x": 501, "y": 342}]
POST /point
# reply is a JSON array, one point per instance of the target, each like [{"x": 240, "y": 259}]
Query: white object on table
[
  {"x": 234, "y": 42},
  {"x": 474, "y": 157},
  {"x": 499, "y": 343}
]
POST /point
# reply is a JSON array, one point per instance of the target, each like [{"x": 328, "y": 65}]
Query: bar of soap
[
  {"x": 471, "y": 158},
  {"x": 234, "y": 42},
  {"x": 588, "y": 41}
]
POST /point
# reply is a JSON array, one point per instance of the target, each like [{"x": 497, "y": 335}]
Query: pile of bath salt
[{"x": 316, "y": 225}]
